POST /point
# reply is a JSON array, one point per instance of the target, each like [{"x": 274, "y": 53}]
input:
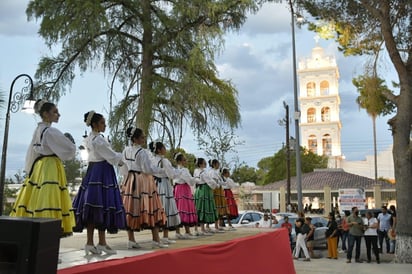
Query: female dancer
[
  {"x": 165, "y": 190},
  {"x": 44, "y": 193},
  {"x": 230, "y": 200},
  {"x": 140, "y": 197},
  {"x": 204, "y": 201},
  {"x": 218, "y": 194},
  {"x": 184, "y": 198},
  {"x": 98, "y": 203}
]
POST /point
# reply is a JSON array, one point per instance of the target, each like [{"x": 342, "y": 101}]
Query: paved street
[{"x": 72, "y": 253}]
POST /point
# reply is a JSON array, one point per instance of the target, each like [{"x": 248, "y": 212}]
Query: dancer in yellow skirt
[
  {"x": 218, "y": 195},
  {"x": 44, "y": 193}
]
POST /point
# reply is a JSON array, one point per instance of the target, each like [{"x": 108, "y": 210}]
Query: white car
[
  {"x": 247, "y": 218},
  {"x": 281, "y": 215}
]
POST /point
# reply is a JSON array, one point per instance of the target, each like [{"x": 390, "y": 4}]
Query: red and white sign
[{"x": 351, "y": 197}]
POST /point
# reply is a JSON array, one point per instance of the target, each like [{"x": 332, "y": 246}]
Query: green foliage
[
  {"x": 372, "y": 98},
  {"x": 356, "y": 28},
  {"x": 244, "y": 173},
  {"x": 8, "y": 193},
  {"x": 275, "y": 168},
  {"x": 72, "y": 169},
  {"x": 161, "y": 53}
]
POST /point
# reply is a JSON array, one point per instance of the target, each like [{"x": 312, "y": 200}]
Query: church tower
[{"x": 319, "y": 105}]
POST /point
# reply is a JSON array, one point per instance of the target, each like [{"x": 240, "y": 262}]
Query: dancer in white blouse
[
  {"x": 204, "y": 201},
  {"x": 98, "y": 204},
  {"x": 144, "y": 209},
  {"x": 44, "y": 192},
  {"x": 231, "y": 202},
  {"x": 184, "y": 198}
]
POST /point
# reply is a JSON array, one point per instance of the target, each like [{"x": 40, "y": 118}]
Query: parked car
[
  {"x": 281, "y": 215},
  {"x": 247, "y": 218},
  {"x": 321, "y": 226}
]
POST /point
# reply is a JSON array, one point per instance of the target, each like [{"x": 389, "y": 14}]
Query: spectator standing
[
  {"x": 289, "y": 208},
  {"x": 344, "y": 230},
  {"x": 371, "y": 236},
  {"x": 332, "y": 237},
  {"x": 310, "y": 237},
  {"x": 392, "y": 232},
  {"x": 288, "y": 226},
  {"x": 384, "y": 219},
  {"x": 265, "y": 222},
  {"x": 301, "y": 231},
  {"x": 355, "y": 235}
]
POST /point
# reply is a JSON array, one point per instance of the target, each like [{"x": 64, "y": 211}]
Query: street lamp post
[
  {"x": 15, "y": 103},
  {"x": 297, "y": 111}
]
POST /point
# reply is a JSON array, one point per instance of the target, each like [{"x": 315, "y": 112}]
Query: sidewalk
[{"x": 72, "y": 253}]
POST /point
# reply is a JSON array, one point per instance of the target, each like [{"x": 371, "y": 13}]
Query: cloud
[
  {"x": 257, "y": 60},
  {"x": 13, "y": 19},
  {"x": 271, "y": 18}
]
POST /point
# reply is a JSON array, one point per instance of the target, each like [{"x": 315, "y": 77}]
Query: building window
[
  {"x": 311, "y": 115},
  {"x": 311, "y": 89},
  {"x": 327, "y": 145},
  {"x": 325, "y": 114},
  {"x": 324, "y": 88},
  {"x": 313, "y": 144}
]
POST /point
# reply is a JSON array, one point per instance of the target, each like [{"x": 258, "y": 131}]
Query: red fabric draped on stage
[{"x": 265, "y": 253}]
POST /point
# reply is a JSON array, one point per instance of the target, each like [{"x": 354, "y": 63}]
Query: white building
[
  {"x": 366, "y": 167},
  {"x": 319, "y": 104},
  {"x": 320, "y": 122}
]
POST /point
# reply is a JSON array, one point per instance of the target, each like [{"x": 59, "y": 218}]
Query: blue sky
[{"x": 257, "y": 59}]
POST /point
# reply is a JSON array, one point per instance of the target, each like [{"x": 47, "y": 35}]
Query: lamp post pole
[
  {"x": 14, "y": 104},
  {"x": 297, "y": 112}
]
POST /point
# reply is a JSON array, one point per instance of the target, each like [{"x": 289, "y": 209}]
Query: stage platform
[{"x": 246, "y": 250}]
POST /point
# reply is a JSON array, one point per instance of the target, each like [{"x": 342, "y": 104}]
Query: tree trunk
[
  {"x": 375, "y": 149},
  {"x": 402, "y": 155},
  {"x": 146, "y": 98}
]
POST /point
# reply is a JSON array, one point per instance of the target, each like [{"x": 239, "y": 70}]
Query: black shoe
[
  {"x": 378, "y": 261},
  {"x": 358, "y": 261},
  {"x": 368, "y": 261}
]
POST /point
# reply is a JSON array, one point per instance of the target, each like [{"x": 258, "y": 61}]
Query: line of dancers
[{"x": 153, "y": 194}]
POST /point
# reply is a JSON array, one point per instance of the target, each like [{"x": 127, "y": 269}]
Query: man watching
[{"x": 384, "y": 224}]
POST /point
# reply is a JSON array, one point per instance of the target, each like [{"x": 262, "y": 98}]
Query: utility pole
[{"x": 286, "y": 106}]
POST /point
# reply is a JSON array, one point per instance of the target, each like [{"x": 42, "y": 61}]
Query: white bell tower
[{"x": 319, "y": 104}]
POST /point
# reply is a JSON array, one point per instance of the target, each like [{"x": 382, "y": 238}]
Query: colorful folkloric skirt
[
  {"x": 98, "y": 201},
  {"x": 165, "y": 191},
  {"x": 220, "y": 201},
  {"x": 231, "y": 203},
  {"x": 44, "y": 194},
  {"x": 142, "y": 204},
  {"x": 205, "y": 204},
  {"x": 185, "y": 204}
]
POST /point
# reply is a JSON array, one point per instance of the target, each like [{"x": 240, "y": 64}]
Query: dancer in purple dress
[{"x": 98, "y": 204}]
